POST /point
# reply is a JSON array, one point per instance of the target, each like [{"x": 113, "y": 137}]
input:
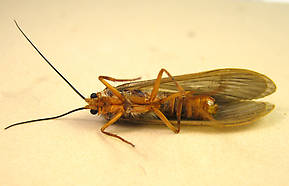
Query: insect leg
[
  {"x": 110, "y": 87},
  {"x": 110, "y": 122},
  {"x": 179, "y": 112},
  {"x": 172, "y": 99},
  {"x": 118, "y": 80},
  {"x": 175, "y": 95},
  {"x": 181, "y": 92},
  {"x": 113, "y": 89},
  {"x": 165, "y": 120},
  {"x": 158, "y": 82}
]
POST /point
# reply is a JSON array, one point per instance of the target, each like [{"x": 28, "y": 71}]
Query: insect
[{"x": 217, "y": 98}]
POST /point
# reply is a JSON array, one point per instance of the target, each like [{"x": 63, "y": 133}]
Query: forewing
[
  {"x": 225, "y": 85},
  {"x": 229, "y": 114}
]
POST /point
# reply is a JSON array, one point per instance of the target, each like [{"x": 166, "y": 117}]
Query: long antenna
[
  {"x": 48, "y": 61},
  {"x": 42, "y": 119},
  {"x": 54, "y": 117}
]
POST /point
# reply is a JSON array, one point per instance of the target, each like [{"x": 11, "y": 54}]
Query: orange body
[{"x": 194, "y": 107}]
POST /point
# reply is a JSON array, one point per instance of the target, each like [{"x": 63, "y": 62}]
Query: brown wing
[
  {"x": 225, "y": 85},
  {"x": 229, "y": 114}
]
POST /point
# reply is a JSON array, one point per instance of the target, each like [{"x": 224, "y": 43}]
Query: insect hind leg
[
  {"x": 166, "y": 121},
  {"x": 180, "y": 94},
  {"x": 158, "y": 82}
]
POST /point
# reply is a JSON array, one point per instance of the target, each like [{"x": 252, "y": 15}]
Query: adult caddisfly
[{"x": 214, "y": 98}]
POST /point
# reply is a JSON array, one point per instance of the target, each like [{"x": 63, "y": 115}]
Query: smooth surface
[{"x": 128, "y": 39}]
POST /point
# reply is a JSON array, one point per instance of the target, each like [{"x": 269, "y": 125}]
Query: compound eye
[
  {"x": 93, "y": 95},
  {"x": 93, "y": 112}
]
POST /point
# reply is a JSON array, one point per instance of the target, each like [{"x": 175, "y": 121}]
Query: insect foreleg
[
  {"x": 118, "y": 80},
  {"x": 113, "y": 89},
  {"x": 110, "y": 122},
  {"x": 110, "y": 87}
]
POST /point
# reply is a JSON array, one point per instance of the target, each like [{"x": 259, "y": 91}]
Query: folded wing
[{"x": 225, "y": 85}]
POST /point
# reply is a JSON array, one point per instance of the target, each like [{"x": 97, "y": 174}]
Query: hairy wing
[
  {"x": 225, "y": 85},
  {"x": 228, "y": 115}
]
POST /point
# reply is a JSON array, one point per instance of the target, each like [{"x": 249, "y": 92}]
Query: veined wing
[
  {"x": 228, "y": 115},
  {"x": 225, "y": 85}
]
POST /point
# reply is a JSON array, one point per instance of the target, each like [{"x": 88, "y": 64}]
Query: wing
[
  {"x": 229, "y": 114},
  {"x": 225, "y": 85}
]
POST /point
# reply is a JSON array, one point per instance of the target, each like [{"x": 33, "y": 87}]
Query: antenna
[
  {"x": 49, "y": 62},
  {"x": 54, "y": 117},
  {"x": 42, "y": 119}
]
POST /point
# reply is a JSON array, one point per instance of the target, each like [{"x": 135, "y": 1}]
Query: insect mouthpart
[{"x": 92, "y": 103}]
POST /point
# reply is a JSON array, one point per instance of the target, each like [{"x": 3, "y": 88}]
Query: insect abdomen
[{"x": 194, "y": 107}]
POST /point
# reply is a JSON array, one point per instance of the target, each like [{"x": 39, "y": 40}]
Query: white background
[{"x": 127, "y": 39}]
